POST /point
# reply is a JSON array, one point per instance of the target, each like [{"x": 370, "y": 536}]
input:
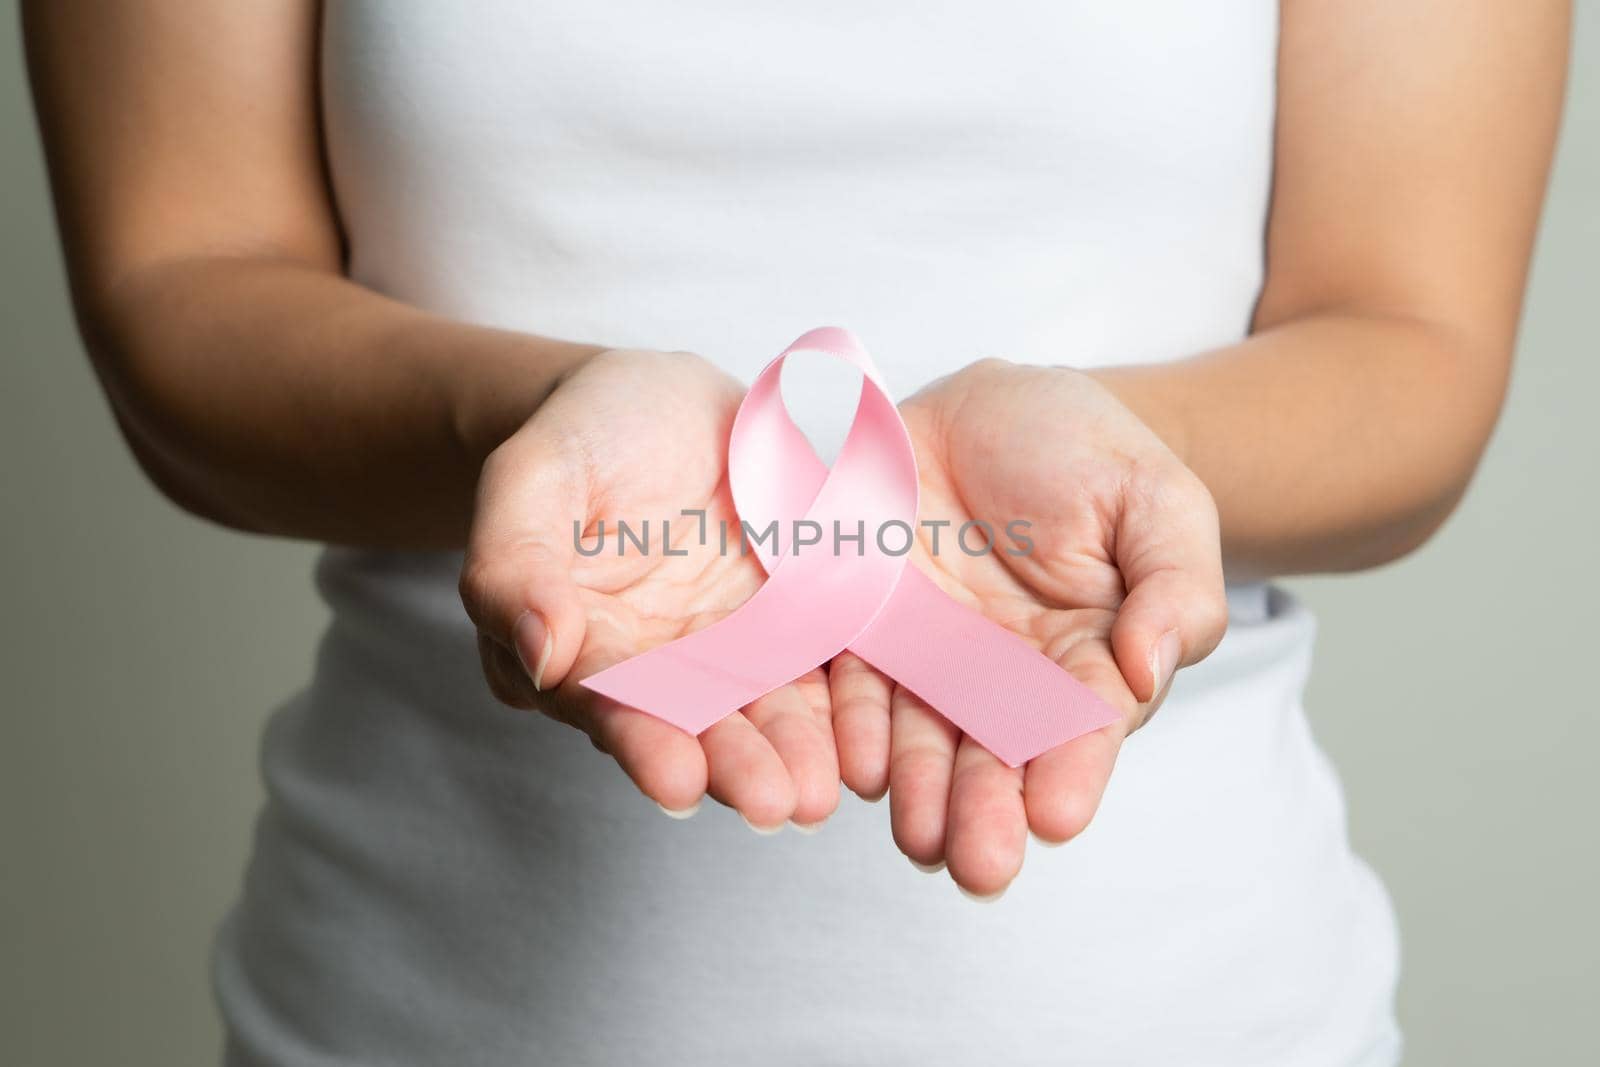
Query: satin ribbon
[{"x": 817, "y": 602}]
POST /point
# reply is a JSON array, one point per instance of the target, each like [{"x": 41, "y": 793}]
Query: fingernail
[
  {"x": 927, "y": 868},
  {"x": 982, "y": 899},
  {"x": 875, "y": 797},
  {"x": 679, "y": 813},
  {"x": 807, "y": 827},
  {"x": 764, "y": 831},
  {"x": 531, "y": 632},
  {"x": 1164, "y": 660}
]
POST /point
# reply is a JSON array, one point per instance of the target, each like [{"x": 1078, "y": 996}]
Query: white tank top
[{"x": 438, "y": 880}]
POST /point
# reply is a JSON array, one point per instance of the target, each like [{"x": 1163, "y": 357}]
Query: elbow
[
  {"x": 1470, "y": 378},
  {"x": 1410, "y": 502},
  {"x": 177, "y": 482},
  {"x": 1405, "y": 535},
  {"x": 147, "y": 413},
  {"x": 183, "y": 480},
  {"x": 1414, "y": 521},
  {"x": 1376, "y": 542}
]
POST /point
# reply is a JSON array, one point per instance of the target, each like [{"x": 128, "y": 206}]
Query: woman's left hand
[{"x": 1122, "y": 585}]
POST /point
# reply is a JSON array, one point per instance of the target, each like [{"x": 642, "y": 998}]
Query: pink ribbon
[{"x": 996, "y": 688}]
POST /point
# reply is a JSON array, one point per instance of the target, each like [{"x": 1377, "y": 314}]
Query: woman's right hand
[{"x": 635, "y": 436}]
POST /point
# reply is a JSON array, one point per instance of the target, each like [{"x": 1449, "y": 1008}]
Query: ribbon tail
[{"x": 1000, "y": 691}]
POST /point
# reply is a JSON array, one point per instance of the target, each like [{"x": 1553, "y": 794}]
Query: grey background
[{"x": 141, "y": 650}]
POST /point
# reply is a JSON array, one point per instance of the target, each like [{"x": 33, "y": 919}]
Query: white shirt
[{"x": 438, "y": 880}]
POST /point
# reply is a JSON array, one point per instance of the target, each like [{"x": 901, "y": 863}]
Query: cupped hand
[
  {"x": 1122, "y": 584},
  {"x": 635, "y": 437}
]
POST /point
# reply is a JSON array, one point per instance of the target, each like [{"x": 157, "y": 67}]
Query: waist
[{"x": 398, "y": 602}]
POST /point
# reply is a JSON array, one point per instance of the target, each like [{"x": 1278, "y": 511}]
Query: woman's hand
[
  {"x": 1122, "y": 585},
  {"x": 635, "y": 436}
]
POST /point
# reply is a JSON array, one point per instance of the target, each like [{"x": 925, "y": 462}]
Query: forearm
[
  {"x": 278, "y": 397},
  {"x": 1333, "y": 442}
]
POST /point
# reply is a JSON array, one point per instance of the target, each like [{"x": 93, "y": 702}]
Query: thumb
[
  {"x": 516, "y": 580},
  {"x": 1169, "y": 550}
]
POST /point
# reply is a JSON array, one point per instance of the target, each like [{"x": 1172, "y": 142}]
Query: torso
[{"x": 440, "y": 880}]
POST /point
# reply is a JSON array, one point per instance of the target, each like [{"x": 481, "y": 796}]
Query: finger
[
  {"x": 507, "y": 680},
  {"x": 805, "y": 745},
  {"x": 988, "y": 825},
  {"x": 516, "y": 579},
  {"x": 747, "y": 774},
  {"x": 1169, "y": 552},
  {"x": 1062, "y": 788},
  {"x": 861, "y": 697},
  {"x": 922, "y": 759},
  {"x": 813, "y": 688},
  {"x": 667, "y": 764}
]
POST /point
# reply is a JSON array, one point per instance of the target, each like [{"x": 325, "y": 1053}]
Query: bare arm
[
  {"x": 257, "y": 386},
  {"x": 1414, "y": 139}
]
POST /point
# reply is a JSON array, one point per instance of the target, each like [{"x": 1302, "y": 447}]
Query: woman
[{"x": 415, "y": 278}]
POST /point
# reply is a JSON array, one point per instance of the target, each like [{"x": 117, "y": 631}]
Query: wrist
[
  {"x": 511, "y": 375},
  {"x": 1152, "y": 394}
]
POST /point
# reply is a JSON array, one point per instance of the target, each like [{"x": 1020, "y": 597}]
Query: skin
[
  {"x": 546, "y": 612},
  {"x": 1125, "y": 553},
  {"x": 262, "y": 390}
]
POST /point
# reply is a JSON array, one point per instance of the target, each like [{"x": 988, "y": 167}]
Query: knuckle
[
  {"x": 1217, "y": 619},
  {"x": 1210, "y": 615},
  {"x": 476, "y": 585},
  {"x": 1200, "y": 498}
]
